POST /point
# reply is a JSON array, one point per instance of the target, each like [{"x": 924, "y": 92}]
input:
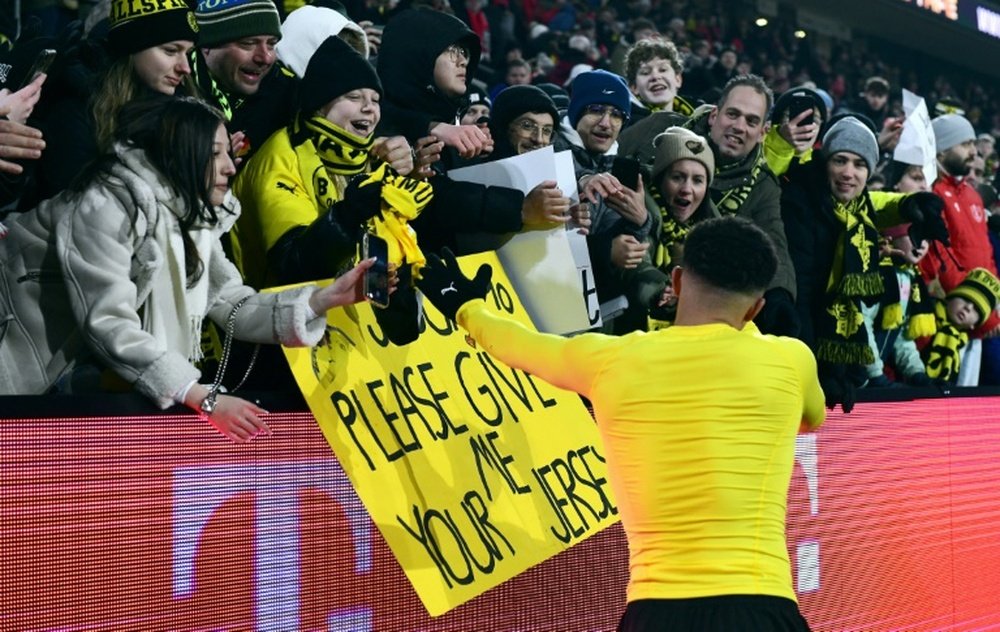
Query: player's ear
[{"x": 754, "y": 310}]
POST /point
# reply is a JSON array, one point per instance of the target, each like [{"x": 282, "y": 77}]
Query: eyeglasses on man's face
[
  {"x": 599, "y": 110},
  {"x": 458, "y": 53},
  {"x": 530, "y": 128}
]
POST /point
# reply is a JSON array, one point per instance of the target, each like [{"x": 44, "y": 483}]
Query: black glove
[
  {"x": 779, "y": 315},
  {"x": 400, "y": 321},
  {"x": 837, "y": 385},
  {"x": 360, "y": 203},
  {"x": 444, "y": 285},
  {"x": 923, "y": 210}
]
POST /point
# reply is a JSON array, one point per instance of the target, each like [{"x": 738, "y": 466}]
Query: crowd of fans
[{"x": 345, "y": 117}]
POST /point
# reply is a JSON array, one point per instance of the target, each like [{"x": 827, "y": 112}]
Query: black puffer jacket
[{"x": 411, "y": 44}]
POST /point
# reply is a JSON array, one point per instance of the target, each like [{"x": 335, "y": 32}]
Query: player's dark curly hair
[{"x": 732, "y": 254}]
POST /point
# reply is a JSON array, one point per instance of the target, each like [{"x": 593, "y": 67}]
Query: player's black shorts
[{"x": 726, "y": 613}]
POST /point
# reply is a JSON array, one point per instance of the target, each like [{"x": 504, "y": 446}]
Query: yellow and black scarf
[
  {"x": 345, "y": 155},
  {"x": 919, "y": 316},
  {"x": 943, "y": 356},
  {"x": 670, "y": 241},
  {"x": 854, "y": 277},
  {"x": 402, "y": 201},
  {"x": 341, "y": 152},
  {"x": 207, "y": 85},
  {"x": 733, "y": 199}
]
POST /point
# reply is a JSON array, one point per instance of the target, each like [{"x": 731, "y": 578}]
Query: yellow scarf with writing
[{"x": 402, "y": 201}]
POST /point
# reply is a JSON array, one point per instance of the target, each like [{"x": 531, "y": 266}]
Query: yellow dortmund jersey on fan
[{"x": 699, "y": 426}]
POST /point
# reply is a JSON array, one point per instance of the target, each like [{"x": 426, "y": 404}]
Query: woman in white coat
[{"x": 114, "y": 276}]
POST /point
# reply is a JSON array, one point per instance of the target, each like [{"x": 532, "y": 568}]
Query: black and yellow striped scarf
[
  {"x": 854, "y": 276},
  {"x": 403, "y": 199},
  {"x": 341, "y": 152},
  {"x": 670, "y": 241},
  {"x": 678, "y": 106},
  {"x": 943, "y": 356},
  {"x": 919, "y": 317},
  {"x": 733, "y": 199},
  {"x": 207, "y": 85}
]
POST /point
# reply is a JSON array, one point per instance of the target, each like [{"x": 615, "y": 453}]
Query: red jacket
[{"x": 970, "y": 242}]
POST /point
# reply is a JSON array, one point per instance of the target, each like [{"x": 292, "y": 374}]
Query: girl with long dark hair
[{"x": 110, "y": 281}]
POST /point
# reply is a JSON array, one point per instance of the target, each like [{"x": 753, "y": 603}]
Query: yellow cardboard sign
[{"x": 472, "y": 471}]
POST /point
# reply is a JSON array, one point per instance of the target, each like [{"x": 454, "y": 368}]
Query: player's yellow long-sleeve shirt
[{"x": 699, "y": 426}]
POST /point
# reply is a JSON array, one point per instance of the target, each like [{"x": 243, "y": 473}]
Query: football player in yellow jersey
[{"x": 698, "y": 422}]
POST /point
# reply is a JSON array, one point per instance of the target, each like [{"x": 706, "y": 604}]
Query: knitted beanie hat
[
  {"x": 678, "y": 143},
  {"x": 514, "y": 101},
  {"x": 559, "y": 96},
  {"x": 951, "y": 130},
  {"x": 334, "y": 70},
  {"x": 224, "y": 21},
  {"x": 307, "y": 27},
  {"x": 476, "y": 96},
  {"x": 980, "y": 288},
  {"x": 851, "y": 135},
  {"x": 137, "y": 26},
  {"x": 597, "y": 87}
]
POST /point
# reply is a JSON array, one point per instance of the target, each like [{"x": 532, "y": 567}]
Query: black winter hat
[
  {"x": 476, "y": 96},
  {"x": 514, "y": 101},
  {"x": 334, "y": 70},
  {"x": 137, "y": 26},
  {"x": 559, "y": 96}
]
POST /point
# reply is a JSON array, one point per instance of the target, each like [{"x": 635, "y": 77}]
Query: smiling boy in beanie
[
  {"x": 831, "y": 220},
  {"x": 523, "y": 119},
  {"x": 599, "y": 105}
]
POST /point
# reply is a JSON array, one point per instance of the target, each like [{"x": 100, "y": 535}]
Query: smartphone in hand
[
  {"x": 376, "y": 280},
  {"x": 40, "y": 65},
  {"x": 801, "y": 103},
  {"x": 627, "y": 172}
]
